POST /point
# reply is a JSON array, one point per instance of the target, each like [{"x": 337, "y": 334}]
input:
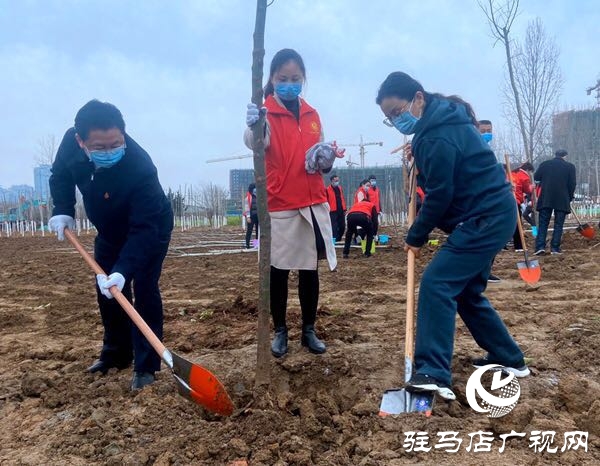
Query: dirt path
[{"x": 320, "y": 410}]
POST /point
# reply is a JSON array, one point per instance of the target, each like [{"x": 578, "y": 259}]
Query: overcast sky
[{"x": 179, "y": 70}]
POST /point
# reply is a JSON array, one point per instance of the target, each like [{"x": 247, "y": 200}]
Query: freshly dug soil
[{"x": 318, "y": 409}]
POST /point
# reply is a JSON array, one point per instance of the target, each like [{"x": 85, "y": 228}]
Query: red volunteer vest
[
  {"x": 331, "y": 198},
  {"x": 289, "y": 186},
  {"x": 363, "y": 207}
]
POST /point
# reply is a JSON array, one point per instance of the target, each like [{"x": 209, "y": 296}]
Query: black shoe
[
  {"x": 141, "y": 379},
  {"x": 420, "y": 383},
  {"x": 493, "y": 279},
  {"x": 539, "y": 252},
  {"x": 310, "y": 340},
  {"x": 367, "y": 254},
  {"x": 345, "y": 256},
  {"x": 279, "y": 345},
  {"x": 104, "y": 366},
  {"x": 556, "y": 252},
  {"x": 520, "y": 369}
]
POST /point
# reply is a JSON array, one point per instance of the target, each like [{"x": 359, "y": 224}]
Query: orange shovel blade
[
  {"x": 530, "y": 271},
  {"x": 586, "y": 231},
  {"x": 201, "y": 386}
]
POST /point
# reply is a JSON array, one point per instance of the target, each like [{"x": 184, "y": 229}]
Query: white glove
[
  {"x": 105, "y": 283},
  {"x": 58, "y": 223},
  {"x": 321, "y": 156},
  {"x": 253, "y": 114}
]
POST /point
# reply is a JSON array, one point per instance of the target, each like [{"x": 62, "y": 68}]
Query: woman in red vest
[
  {"x": 337, "y": 207},
  {"x": 363, "y": 214},
  {"x": 300, "y": 225}
]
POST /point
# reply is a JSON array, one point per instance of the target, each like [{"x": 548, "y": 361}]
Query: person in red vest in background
[
  {"x": 523, "y": 187},
  {"x": 374, "y": 193},
  {"x": 251, "y": 213},
  {"x": 362, "y": 192},
  {"x": 363, "y": 214},
  {"x": 337, "y": 207}
]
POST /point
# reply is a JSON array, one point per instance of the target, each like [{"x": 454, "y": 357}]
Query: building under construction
[{"x": 578, "y": 132}]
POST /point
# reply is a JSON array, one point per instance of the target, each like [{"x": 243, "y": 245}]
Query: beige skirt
[{"x": 293, "y": 243}]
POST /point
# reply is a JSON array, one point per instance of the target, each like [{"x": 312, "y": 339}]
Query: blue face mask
[
  {"x": 288, "y": 91},
  {"x": 405, "y": 122},
  {"x": 108, "y": 158},
  {"x": 487, "y": 137},
  {"x": 373, "y": 183},
  {"x": 254, "y": 191},
  {"x": 335, "y": 184}
]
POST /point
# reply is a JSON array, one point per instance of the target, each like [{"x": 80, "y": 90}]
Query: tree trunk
[
  {"x": 513, "y": 84},
  {"x": 263, "y": 357}
]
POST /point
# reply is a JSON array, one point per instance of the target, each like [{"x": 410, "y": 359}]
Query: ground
[{"x": 319, "y": 409}]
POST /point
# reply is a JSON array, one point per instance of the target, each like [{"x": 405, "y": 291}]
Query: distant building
[
  {"x": 41, "y": 176},
  {"x": 578, "y": 132},
  {"x": 239, "y": 179},
  {"x": 16, "y": 193}
]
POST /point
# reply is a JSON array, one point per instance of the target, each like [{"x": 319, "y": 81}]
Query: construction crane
[
  {"x": 233, "y": 157},
  {"x": 597, "y": 89},
  {"x": 361, "y": 145}
]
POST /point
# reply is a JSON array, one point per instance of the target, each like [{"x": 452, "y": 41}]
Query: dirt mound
[{"x": 318, "y": 409}]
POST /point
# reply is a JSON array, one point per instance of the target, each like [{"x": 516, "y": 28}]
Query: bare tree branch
[{"x": 46, "y": 150}]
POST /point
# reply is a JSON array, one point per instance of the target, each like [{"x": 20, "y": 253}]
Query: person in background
[
  {"x": 522, "y": 183},
  {"x": 557, "y": 181},
  {"x": 295, "y": 159},
  {"x": 362, "y": 192},
  {"x": 134, "y": 219},
  {"x": 251, "y": 212},
  {"x": 337, "y": 207},
  {"x": 374, "y": 197},
  {"x": 479, "y": 218},
  {"x": 486, "y": 130},
  {"x": 363, "y": 215}
]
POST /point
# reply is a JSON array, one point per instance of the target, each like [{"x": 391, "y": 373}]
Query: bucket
[
  {"x": 363, "y": 246},
  {"x": 333, "y": 240},
  {"x": 383, "y": 239},
  {"x": 534, "y": 231}
]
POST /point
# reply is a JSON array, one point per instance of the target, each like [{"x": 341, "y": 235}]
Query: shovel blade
[
  {"x": 530, "y": 271},
  {"x": 586, "y": 230},
  {"x": 398, "y": 401},
  {"x": 201, "y": 386}
]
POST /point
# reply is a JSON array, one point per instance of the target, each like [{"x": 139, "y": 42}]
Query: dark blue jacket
[
  {"x": 126, "y": 202},
  {"x": 457, "y": 169}
]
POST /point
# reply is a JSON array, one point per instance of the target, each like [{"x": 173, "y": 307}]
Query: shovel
[
  {"x": 194, "y": 382},
  {"x": 396, "y": 400},
  {"x": 586, "y": 230},
  {"x": 529, "y": 270}
]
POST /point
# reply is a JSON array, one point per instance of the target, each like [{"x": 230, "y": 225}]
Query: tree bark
[{"x": 263, "y": 357}]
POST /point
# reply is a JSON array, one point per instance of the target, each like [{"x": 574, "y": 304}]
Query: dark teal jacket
[{"x": 457, "y": 169}]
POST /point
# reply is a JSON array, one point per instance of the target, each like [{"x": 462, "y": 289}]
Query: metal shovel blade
[
  {"x": 586, "y": 230},
  {"x": 201, "y": 386},
  {"x": 398, "y": 400},
  {"x": 530, "y": 271}
]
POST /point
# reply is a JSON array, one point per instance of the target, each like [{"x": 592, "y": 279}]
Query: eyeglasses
[{"x": 388, "y": 120}]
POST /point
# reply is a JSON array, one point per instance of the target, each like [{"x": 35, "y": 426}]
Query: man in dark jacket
[
  {"x": 557, "y": 180},
  {"x": 126, "y": 203}
]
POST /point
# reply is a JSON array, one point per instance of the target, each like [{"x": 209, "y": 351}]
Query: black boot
[
  {"x": 310, "y": 340},
  {"x": 279, "y": 345},
  {"x": 141, "y": 379}
]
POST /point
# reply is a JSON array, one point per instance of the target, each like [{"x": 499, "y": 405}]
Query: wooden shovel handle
[
  {"x": 409, "y": 345},
  {"x": 519, "y": 222},
  {"x": 122, "y": 300}
]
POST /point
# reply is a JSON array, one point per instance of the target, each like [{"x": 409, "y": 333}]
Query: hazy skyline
[{"x": 180, "y": 71}]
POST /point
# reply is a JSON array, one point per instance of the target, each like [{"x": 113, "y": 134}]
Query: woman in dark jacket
[{"x": 467, "y": 196}]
